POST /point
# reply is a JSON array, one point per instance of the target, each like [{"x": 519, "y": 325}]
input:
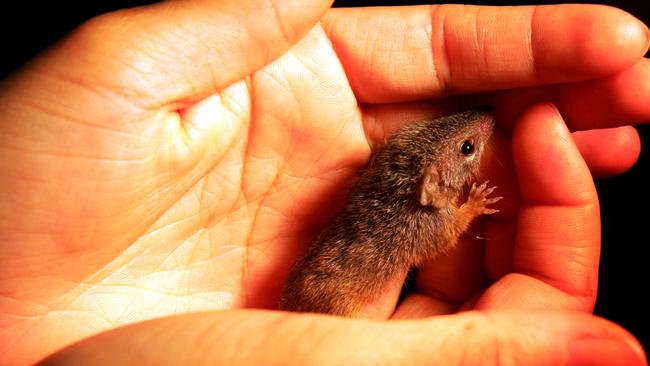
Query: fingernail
[{"x": 605, "y": 351}]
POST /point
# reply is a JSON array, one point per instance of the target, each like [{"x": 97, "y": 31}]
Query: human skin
[{"x": 179, "y": 157}]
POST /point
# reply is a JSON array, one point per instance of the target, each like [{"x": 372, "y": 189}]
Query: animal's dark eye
[{"x": 467, "y": 148}]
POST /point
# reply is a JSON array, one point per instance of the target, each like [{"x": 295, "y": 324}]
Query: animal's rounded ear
[{"x": 431, "y": 192}]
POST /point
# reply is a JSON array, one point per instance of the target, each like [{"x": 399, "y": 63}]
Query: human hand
[
  {"x": 163, "y": 181},
  {"x": 529, "y": 316}
]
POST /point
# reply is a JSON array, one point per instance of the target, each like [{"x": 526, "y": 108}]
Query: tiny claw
[{"x": 493, "y": 200}]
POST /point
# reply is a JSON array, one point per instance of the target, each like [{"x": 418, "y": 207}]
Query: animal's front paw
[{"x": 478, "y": 199}]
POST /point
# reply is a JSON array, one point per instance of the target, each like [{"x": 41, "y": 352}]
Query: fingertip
[
  {"x": 549, "y": 167},
  {"x": 609, "y": 152},
  {"x": 594, "y": 40},
  {"x": 529, "y": 337},
  {"x": 624, "y": 36},
  {"x": 607, "y": 343}
]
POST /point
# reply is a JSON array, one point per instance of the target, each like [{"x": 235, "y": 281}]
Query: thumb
[
  {"x": 178, "y": 52},
  {"x": 274, "y": 338}
]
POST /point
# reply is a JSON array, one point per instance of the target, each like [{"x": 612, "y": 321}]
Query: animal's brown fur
[{"x": 402, "y": 210}]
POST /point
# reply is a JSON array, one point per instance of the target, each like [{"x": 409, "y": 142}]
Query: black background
[{"x": 27, "y": 28}]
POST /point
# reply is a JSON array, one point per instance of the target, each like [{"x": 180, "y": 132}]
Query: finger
[
  {"x": 557, "y": 240},
  {"x": 625, "y": 94},
  {"x": 612, "y": 101},
  {"x": 175, "y": 53},
  {"x": 610, "y": 151},
  {"x": 271, "y": 338},
  {"x": 607, "y": 152},
  {"x": 411, "y": 53}
]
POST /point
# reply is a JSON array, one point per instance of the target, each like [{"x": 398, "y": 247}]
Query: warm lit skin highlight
[{"x": 179, "y": 157}]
